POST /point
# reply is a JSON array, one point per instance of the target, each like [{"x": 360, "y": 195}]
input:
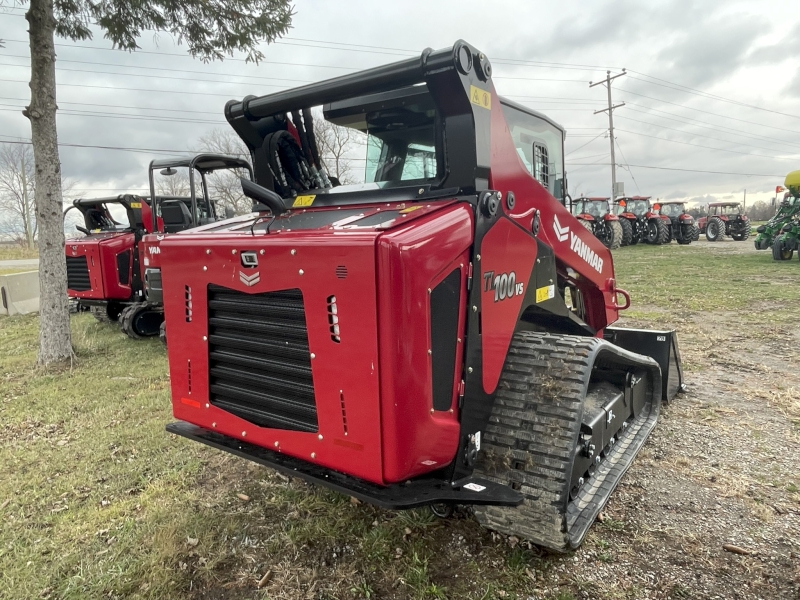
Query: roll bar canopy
[{"x": 459, "y": 82}]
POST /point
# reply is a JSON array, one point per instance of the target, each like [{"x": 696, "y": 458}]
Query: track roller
[
  {"x": 141, "y": 320},
  {"x": 569, "y": 416},
  {"x": 107, "y": 313}
]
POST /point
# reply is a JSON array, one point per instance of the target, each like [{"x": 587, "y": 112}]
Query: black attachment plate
[
  {"x": 411, "y": 494},
  {"x": 661, "y": 346}
]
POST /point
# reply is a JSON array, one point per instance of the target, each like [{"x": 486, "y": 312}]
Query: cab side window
[{"x": 540, "y": 147}]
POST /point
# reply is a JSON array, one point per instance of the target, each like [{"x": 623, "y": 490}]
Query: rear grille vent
[
  {"x": 333, "y": 319},
  {"x": 78, "y": 274},
  {"x": 341, "y": 272},
  {"x": 124, "y": 267},
  {"x": 259, "y": 360},
  {"x": 187, "y": 293}
]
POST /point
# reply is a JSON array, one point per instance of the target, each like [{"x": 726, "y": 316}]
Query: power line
[
  {"x": 127, "y": 117},
  {"x": 707, "y": 147},
  {"x": 586, "y": 144},
  {"x": 628, "y": 165},
  {"x": 704, "y": 125},
  {"x": 595, "y": 163},
  {"x": 697, "y": 134},
  {"x": 126, "y": 89},
  {"x": 700, "y": 171},
  {"x": 172, "y": 78},
  {"x": 688, "y": 90},
  {"x": 180, "y": 110},
  {"x": 716, "y": 114},
  {"x": 124, "y": 149}
]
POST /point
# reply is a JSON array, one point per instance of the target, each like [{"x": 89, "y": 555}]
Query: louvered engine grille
[
  {"x": 78, "y": 274},
  {"x": 259, "y": 361}
]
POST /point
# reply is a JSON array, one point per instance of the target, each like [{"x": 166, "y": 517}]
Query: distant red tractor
[
  {"x": 641, "y": 221},
  {"x": 594, "y": 215},
  {"x": 682, "y": 228},
  {"x": 725, "y": 218}
]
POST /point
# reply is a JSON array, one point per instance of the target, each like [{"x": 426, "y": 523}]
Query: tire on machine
[
  {"x": 614, "y": 234},
  {"x": 551, "y": 386},
  {"x": 657, "y": 231},
  {"x": 627, "y": 231},
  {"x": 780, "y": 251},
  {"x": 715, "y": 229}
]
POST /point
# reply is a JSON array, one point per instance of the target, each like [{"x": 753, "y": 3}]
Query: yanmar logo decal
[
  {"x": 249, "y": 280},
  {"x": 154, "y": 249},
  {"x": 577, "y": 245},
  {"x": 561, "y": 232}
]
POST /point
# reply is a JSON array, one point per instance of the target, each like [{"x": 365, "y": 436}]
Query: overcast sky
[{"x": 742, "y": 58}]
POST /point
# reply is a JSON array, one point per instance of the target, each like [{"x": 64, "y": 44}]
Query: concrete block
[{"x": 19, "y": 293}]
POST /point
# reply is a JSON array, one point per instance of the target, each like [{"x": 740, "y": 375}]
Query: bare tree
[
  {"x": 211, "y": 29},
  {"x": 339, "y": 150},
  {"x": 173, "y": 185},
  {"x": 224, "y": 186},
  {"x": 17, "y": 183}
]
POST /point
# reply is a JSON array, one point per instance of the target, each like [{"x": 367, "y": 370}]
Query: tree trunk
[
  {"x": 55, "y": 344},
  {"x": 27, "y": 218}
]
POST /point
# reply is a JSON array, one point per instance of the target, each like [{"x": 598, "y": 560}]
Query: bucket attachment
[{"x": 662, "y": 346}]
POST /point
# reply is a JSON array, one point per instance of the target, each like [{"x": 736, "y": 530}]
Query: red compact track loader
[
  {"x": 173, "y": 214},
  {"x": 438, "y": 335},
  {"x": 103, "y": 271}
]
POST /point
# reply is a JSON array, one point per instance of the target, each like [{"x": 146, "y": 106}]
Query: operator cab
[
  {"x": 189, "y": 184},
  {"x": 637, "y": 205},
  {"x": 404, "y": 145},
  {"x": 115, "y": 214},
  {"x": 596, "y": 207},
  {"x": 673, "y": 209}
]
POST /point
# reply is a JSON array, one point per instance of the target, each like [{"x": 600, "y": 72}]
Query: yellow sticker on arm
[
  {"x": 136, "y": 205},
  {"x": 303, "y": 201},
  {"x": 482, "y": 98},
  {"x": 545, "y": 293}
]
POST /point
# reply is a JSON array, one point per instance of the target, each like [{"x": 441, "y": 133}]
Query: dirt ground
[{"x": 709, "y": 510}]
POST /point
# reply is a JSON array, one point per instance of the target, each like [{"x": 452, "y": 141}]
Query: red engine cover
[
  {"x": 384, "y": 326},
  {"x": 101, "y": 252}
]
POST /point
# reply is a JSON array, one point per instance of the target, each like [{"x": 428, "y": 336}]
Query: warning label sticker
[
  {"x": 480, "y": 97},
  {"x": 547, "y": 292},
  {"x": 303, "y": 201},
  {"x": 136, "y": 205}
]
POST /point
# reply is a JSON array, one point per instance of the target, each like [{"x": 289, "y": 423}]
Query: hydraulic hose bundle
[{"x": 293, "y": 156}]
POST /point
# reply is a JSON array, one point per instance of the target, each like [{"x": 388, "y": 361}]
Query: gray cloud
[{"x": 675, "y": 195}]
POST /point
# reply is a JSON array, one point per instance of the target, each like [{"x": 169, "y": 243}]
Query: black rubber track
[
  {"x": 101, "y": 314},
  {"x": 532, "y": 436},
  {"x": 131, "y": 320}
]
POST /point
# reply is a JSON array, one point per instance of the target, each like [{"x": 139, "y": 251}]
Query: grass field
[
  {"x": 14, "y": 252},
  {"x": 98, "y": 501}
]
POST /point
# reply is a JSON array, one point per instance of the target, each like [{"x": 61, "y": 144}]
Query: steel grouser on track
[{"x": 438, "y": 335}]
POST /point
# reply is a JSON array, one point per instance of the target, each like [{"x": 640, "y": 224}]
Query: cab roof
[{"x": 202, "y": 162}]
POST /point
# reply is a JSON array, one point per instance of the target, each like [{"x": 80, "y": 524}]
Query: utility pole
[{"x": 607, "y": 82}]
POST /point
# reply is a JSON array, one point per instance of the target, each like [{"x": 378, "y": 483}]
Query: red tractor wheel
[
  {"x": 627, "y": 232},
  {"x": 657, "y": 231},
  {"x": 715, "y": 229}
]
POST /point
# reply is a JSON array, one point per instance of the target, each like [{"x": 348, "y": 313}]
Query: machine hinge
[
  {"x": 461, "y": 387},
  {"x": 469, "y": 277}
]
